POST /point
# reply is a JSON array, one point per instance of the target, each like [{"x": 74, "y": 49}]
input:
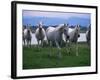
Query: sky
[{"x": 55, "y": 18}]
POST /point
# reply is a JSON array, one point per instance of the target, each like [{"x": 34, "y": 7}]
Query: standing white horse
[
  {"x": 40, "y": 34},
  {"x": 27, "y": 36},
  {"x": 55, "y": 35},
  {"x": 74, "y": 34},
  {"x": 65, "y": 35},
  {"x": 88, "y": 35}
]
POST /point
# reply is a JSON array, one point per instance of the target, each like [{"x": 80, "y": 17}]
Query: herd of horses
[{"x": 56, "y": 35}]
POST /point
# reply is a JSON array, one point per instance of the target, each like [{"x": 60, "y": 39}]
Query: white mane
[{"x": 60, "y": 26}]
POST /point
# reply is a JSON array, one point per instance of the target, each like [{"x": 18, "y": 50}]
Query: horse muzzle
[
  {"x": 67, "y": 37},
  {"x": 78, "y": 35}
]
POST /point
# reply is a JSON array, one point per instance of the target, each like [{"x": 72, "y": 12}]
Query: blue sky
[{"x": 55, "y": 18}]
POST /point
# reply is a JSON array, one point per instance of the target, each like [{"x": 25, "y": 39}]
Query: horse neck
[
  {"x": 75, "y": 33},
  {"x": 58, "y": 29},
  {"x": 66, "y": 31},
  {"x": 28, "y": 32},
  {"x": 89, "y": 33},
  {"x": 40, "y": 30}
]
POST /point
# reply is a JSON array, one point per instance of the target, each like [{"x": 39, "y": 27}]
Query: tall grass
[{"x": 35, "y": 58}]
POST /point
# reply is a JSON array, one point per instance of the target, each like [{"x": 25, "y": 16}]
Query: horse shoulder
[
  {"x": 50, "y": 33},
  {"x": 25, "y": 32},
  {"x": 43, "y": 34},
  {"x": 37, "y": 32},
  {"x": 71, "y": 34},
  {"x": 43, "y": 31}
]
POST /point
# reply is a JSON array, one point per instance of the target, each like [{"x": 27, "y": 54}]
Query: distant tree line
[{"x": 33, "y": 28}]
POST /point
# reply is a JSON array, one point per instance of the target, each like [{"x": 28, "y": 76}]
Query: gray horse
[
  {"x": 74, "y": 34},
  {"x": 54, "y": 35},
  {"x": 40, "y": 34},
  {"x": 27, "y": 36}
]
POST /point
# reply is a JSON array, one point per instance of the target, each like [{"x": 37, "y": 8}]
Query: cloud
[{"x": 30, "y": 13}]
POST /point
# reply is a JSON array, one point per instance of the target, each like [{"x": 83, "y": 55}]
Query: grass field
[{"x": 34, "y": 58}]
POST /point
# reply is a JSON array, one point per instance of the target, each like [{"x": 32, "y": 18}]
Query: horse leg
[
  {"x": 27, "y": 43},
  {"x": 76, "y": 48},
  {"x": 30, "y": 43},
  {"x": 41, "y": 43},
  {"x": 24, "y": 41},
  {"x": 69, "y": 47},
  {"x": 59, "y": 49},
  {"x": 50, "y": 48},
  {"x": 38, "y": 43}
]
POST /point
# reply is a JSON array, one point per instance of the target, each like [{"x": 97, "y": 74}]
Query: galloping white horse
[
  {"x": 88, "y": 35},
  {"x": 74, "y": 34},
  {"x": 55, "y": 35},
  {"x": 27, "y": 35},
  {"x": 40, "y": 34}
]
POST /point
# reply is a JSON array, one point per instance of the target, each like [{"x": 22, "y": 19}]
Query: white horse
[
  {"x": 65, "y": 35},
  {"x": 74, "y": 34},
  {"x": 55, "y": 35},
  {"x": 27, "y": 36},
  {"x": 88, "y": 35},
  {"x": 40, "y": 34}
]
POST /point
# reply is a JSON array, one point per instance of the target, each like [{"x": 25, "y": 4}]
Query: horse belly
[
  {"x": 58, "y": 38},
  {"x": 50, "y": 36},
  {"x": 40, "y": 36}
]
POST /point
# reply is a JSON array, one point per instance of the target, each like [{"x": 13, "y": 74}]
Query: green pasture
[{"x": 36, "y": 58}]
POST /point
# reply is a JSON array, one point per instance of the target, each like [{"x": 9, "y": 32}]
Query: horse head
[
  {"x": 40, "y": 25},
  {"x": 28, "y": 31},
  {"x": 66, "y": 31},
  {"x": 61, "y": 28},
  {"x": 77, "y": 30}
]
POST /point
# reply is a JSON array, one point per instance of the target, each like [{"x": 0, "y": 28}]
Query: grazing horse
[
  {"x": 88, "y": 35},
  {"x": 55, "y": 35},
  {"x": 27, "y": 35},
  {"x": 40, "y": 34},
  {"x": 74, "y": 34}
]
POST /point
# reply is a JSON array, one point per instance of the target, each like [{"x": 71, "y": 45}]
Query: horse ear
[
  {"x": 64, "y": 24},
  {"x": 67, "y": 25},
  {"x": 78, "y": 25},
  {"x": 40, "y": 23}
]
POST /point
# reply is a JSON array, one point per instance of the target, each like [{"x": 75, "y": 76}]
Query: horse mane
[{"x": 60, "y": 26}]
